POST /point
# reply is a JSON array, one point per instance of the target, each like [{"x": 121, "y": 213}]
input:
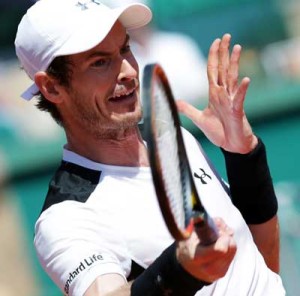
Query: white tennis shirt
[{"x": 99, "y": 218}]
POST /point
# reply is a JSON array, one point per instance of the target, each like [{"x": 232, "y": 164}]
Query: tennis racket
[{"x": 174, "y": 185}]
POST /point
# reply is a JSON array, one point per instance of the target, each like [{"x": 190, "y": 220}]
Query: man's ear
[{"x": 49, "y": 87}]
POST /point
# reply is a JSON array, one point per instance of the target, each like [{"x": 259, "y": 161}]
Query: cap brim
[
  {"x": 135, "y": 16},
  {"x": 30, "y": 92}
]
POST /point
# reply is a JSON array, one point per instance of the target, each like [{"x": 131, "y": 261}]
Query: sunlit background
[{"x": 30, "y": 143}]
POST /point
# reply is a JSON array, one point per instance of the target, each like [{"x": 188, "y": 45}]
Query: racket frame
[{"x": 194, "y": 211}]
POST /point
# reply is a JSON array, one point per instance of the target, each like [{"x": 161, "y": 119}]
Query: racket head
[{"x": 169, "y": 164}]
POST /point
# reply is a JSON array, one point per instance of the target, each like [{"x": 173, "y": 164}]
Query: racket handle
[{"x": 206, "y": 230}]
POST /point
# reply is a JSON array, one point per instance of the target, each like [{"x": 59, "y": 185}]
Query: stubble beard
[{"x": 101, "y": 128}]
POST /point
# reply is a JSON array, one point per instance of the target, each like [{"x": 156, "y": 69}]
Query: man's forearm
[
  {"x": 251, "y": 186},
  {"x": 253, "y": 193},
  {"x": 268, "y": 245},
  {"x": 122, "y": 291}
]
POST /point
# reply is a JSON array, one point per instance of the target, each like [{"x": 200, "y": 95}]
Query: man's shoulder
[{"x": 71, "y": 182}]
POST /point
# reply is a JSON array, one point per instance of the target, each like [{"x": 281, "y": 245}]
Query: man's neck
[{"x": 126, "y": 150}]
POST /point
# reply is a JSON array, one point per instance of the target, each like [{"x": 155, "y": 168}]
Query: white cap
[
  {"x": 115, "y": 3},
  {"x": 53, "y": 28}
]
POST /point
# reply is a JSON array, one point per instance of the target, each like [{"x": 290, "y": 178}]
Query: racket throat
[
  {"x": 198, "y": 218},
  {"x": 204, "y": 228}
]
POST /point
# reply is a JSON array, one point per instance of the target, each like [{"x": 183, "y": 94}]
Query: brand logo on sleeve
[
  {"x": 81, "y": 267},
  {"x": 203, "y": 176},
  {"x": 84, "y": 4}
]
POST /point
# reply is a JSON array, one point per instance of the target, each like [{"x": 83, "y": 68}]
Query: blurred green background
[{"x": 30, "y": 143}]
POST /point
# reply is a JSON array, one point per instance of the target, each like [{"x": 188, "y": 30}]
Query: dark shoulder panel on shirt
[{"x": 71, "y": 182}]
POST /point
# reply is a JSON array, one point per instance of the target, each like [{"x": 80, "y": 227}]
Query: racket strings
[{"x": 168, "y": 153}]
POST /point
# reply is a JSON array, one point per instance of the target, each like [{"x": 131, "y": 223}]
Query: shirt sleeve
[{"x": 74, "y": 247}]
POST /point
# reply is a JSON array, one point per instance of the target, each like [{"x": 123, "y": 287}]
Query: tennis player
[{"x": 101, "y": 231}]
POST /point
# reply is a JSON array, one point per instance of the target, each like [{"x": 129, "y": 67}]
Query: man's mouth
[{"x": 128, "y": 94}]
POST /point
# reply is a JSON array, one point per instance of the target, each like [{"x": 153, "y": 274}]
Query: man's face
[{"x": 103, "y": 97}]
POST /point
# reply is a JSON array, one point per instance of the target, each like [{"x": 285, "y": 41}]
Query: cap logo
[{"x": 84, "y": 4}]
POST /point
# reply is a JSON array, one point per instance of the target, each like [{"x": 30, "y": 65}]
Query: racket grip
[{"x": 206, "y": 230}]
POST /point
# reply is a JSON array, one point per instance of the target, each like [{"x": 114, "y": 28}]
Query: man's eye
[
  {"x": 99, "y": 63},
  {"x": 125, "y": 49}
]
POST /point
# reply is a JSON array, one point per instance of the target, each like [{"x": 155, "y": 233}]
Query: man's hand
[
  {"x": 224, "y": 121},
  {"x": 208, "y": 263}
]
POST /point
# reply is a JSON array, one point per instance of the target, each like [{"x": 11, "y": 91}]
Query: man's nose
[{"x": 127, "y": 72}]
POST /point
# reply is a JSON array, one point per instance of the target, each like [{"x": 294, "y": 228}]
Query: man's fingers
[
  {"x": 223, "y": 249},
  {"x": 213, "y": 62},
  {"x": 233, "y": 70},
  {"x": 241, "y": 94},
  {"x": 223, "y": 60},
  {"x": 189, "y": 111},
  {"x": 225, "y": 245},
  {"x": 222, "y": 226}
]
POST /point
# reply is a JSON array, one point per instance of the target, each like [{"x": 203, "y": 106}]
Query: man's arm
[
  {"x": 252, "y": 192},
  {"x": 109, "y": 285},
  {"x": 225, "y": 124},
  {"x": 266, "y": 237}
]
